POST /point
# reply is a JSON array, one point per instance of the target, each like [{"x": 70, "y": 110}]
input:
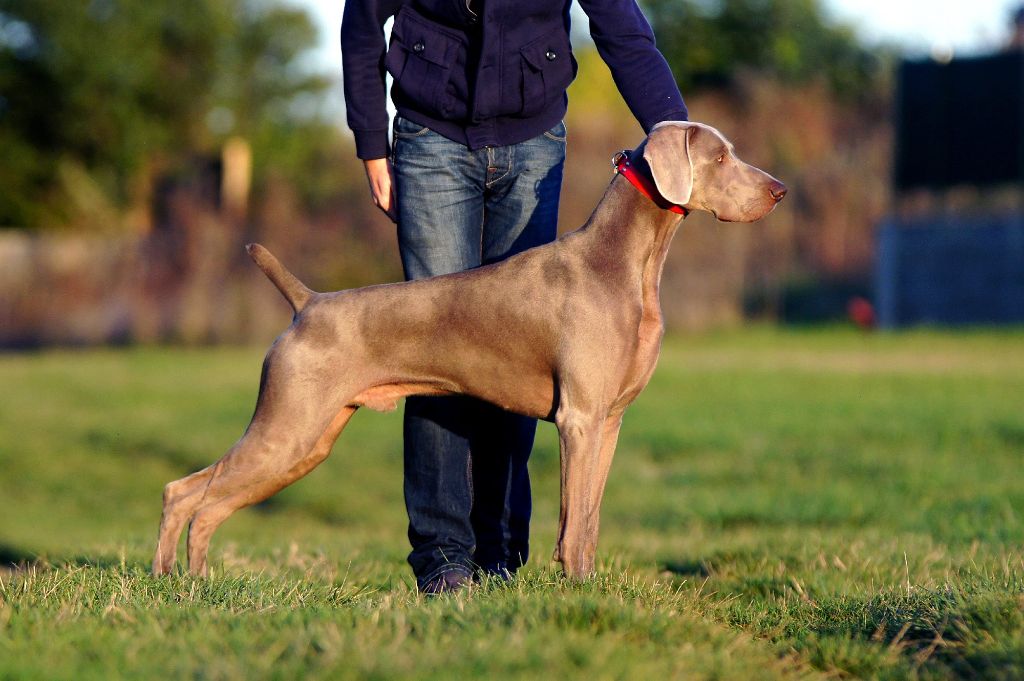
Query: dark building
[{"x": 959, "y": 125}]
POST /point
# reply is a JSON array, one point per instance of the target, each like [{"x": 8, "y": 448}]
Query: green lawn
[{"x": 783, "y": 504}]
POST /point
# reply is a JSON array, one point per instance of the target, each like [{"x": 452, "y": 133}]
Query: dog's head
[{"x": 693, "y": 165}]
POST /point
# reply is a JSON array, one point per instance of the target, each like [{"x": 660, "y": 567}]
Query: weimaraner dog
[{"x": 568, "y": 332}]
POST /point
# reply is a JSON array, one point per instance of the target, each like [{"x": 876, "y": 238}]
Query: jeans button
[
  {"x": 551, "y": 56},
  {"x": 418, "y": 47}
]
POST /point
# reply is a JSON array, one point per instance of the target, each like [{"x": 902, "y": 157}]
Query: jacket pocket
[
  {"x": 427, "y": 61},
  {"x": 548, "y": 67}
]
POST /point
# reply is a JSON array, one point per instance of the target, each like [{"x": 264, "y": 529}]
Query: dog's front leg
[
  {"x": 609, "y": 440},
  {"x": 580, "y": 439}
]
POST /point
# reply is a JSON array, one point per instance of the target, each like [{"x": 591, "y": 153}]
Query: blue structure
[{"x": 950, "y": 270}]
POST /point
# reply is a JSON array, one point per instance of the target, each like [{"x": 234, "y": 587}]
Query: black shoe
[{"x": 446, "y": 582}]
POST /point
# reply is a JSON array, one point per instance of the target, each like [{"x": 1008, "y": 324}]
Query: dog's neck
[{"x": 630, "y": 234}]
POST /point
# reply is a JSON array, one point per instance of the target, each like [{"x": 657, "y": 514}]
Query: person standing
[{"x": 472, "y": 176}]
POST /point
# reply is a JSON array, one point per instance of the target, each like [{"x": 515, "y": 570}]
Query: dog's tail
[{"x": 294, "y": 290}]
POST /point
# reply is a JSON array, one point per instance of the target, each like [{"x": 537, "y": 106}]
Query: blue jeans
[{"x": 467, "y": 489}]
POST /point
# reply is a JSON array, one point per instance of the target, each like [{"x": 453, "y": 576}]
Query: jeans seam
[
  {"x": 511, "y": 162},
  {"x": 409, "y": 135},
  {"x": 556, "y": 138}
]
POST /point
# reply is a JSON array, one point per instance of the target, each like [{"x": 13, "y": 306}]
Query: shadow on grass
[
  {"x": 101, "y": 562},
  {"x": 948, "y": 632},
  {"x": 16, "y": 559},
  {"x": 160, "y": 449},
  {"x": 945, "y": 632},
  {"x": 326, "y": 511},
  {"x": 711, "y": 565},
  {"x": 688, "y": 568}
]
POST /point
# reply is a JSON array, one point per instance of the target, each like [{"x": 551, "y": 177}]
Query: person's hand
[{"x": 382, "y": 188}]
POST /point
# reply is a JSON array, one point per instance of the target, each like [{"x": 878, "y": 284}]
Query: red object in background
[{"x": 861, "y": 312}]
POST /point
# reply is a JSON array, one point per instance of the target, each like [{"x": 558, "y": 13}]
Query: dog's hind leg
[
  {"x": 181, "y": 498},
  {"x": 253, "y": 470}
]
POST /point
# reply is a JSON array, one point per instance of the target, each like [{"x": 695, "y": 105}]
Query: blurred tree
[
  {"x": 98, "y": 97},
  {"x": 793, "y": 41}
]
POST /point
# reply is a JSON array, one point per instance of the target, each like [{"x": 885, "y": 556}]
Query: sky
[{"x": 934, "y": 27}]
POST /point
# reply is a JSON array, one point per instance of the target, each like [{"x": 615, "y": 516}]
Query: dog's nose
[{"x": 777, "y": 190}]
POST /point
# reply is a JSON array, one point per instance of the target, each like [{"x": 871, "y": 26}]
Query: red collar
[{"x": 644, "y": 184}]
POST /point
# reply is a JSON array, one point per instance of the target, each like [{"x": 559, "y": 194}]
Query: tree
[
  {"x": 105, "y": 93},
  {"x": 708, "y": 41}
]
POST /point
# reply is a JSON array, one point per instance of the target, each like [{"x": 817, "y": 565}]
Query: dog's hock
[{"x": 667, "y": 152}]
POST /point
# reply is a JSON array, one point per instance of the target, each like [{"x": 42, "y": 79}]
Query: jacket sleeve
[
  {"x": 362, "y": 57},
  {"x": 625, "y": 41}
]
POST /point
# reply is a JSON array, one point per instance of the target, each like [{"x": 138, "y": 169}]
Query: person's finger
[
  {"x": 385, "y": 191},
  {"x": 392, "y": 209}
]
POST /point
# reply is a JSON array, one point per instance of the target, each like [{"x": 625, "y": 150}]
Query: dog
[{"x": 568, "y": 332}]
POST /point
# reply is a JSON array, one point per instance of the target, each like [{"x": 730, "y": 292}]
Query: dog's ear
[{"x": 667, "y": 152}]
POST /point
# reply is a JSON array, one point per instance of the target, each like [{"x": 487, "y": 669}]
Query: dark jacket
[{"x": 492, "y": 77}]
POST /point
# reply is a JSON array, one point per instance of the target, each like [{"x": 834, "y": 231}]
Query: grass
[{"x": 799, "y": 504}]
